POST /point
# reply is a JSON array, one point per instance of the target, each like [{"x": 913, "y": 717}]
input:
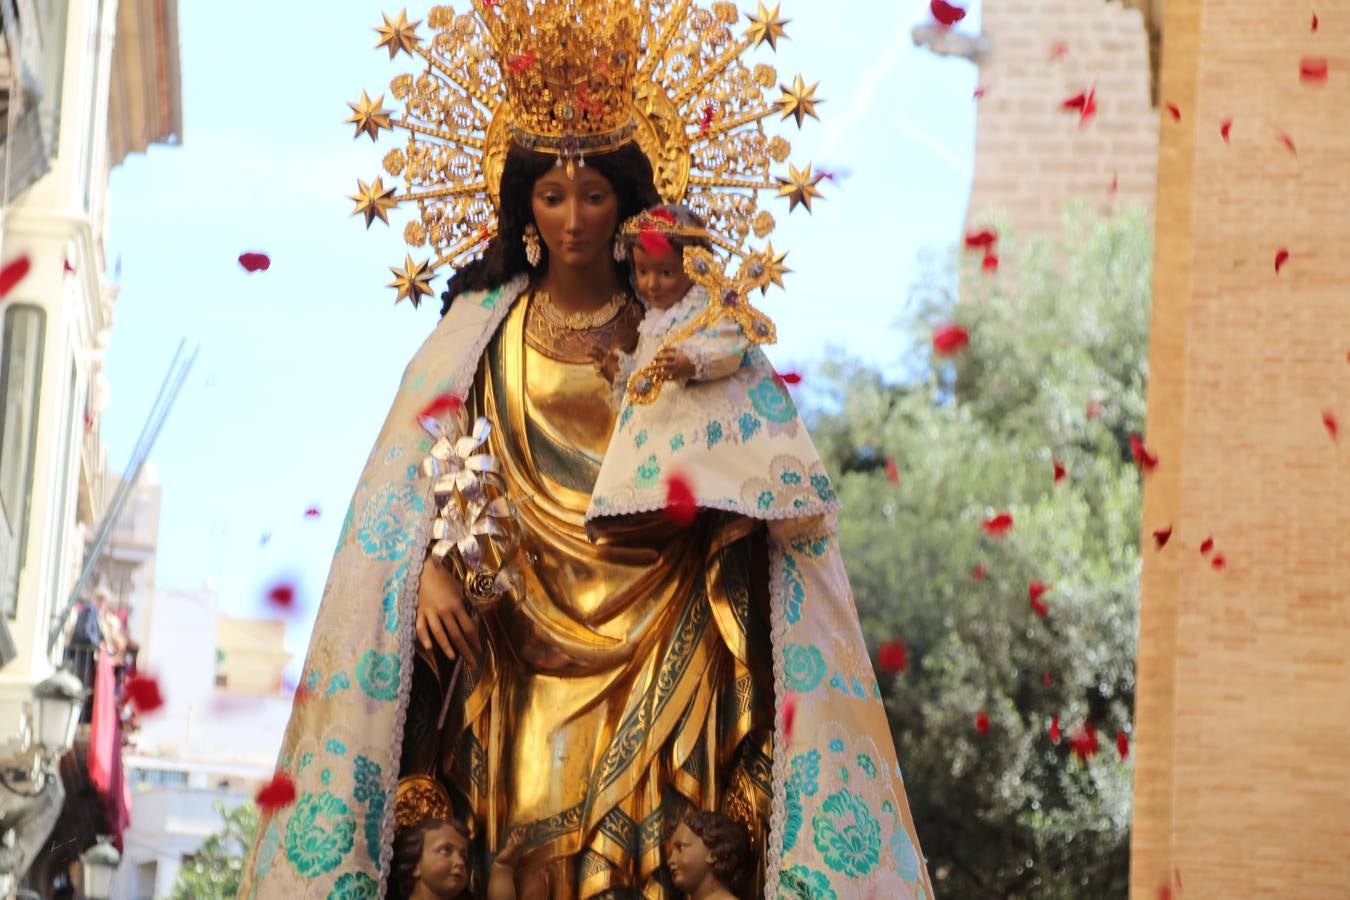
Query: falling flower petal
[
  {"x": 981, "y": 240},
  {"x": 1162, "y": 536},
  {"x": 1083, "y": 741},
  {"x": 946, "y": 13},
  {"x": 1046, "y": 680},
  {"x": 1312, "y": 70},
  {"x": 1288, "y": 142},
  {"x": 1206, "y": 545},
  {"x": 999, "y": 525},
  {"x": 1054, "y": 730},
  {"x": 1077, "y": 101},
  {"x": 1329, "y": 420},
  {"x": 278, "y": 793},
  {"x": 1218, "y": 562},
  {"x": 1035, "y": 590},
  {"x": 255, "y": 262},
  {"x": 1059, "y": 471},
  {"x": 979, "y": 573},
  {"x": 789, "y": 714},
  {"x": 1089, "y": 108},
  {"x": 1142, "y": 457},
  {"x": 892, "y": 657},
  {"x": 281, "y": 595},
  {"x": 1225, "y": 128},
  {"x": 989, "y": 263},
  {"x": 1122, "y": 744},
  {"x": 312, "y": 512},
  {"x": 1314, "y": 21},
  {"x": 1175, "y": 111},
  {"x": 441, "y": 405},
  {"x": 1281, "y": 257},
  {"x": 792, "y": 378},
  {"x": 302, "y": 694},
  {"x": 681, "y": 507},
  {"x": 947, "y": 339},
  {"x": 892, "y": 471},
  {"x": 1114, "y": 186},
  {"x": 981, "y": 723},
  {"x": 12, "y": 273},
  {"x": 979, "y": 92},
  {"x": 1058, "y": 50},
  {"x": 143, "y": 692}
]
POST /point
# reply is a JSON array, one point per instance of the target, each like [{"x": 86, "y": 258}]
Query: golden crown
[
  {"x": 669, "y": 72},
  {"x": 418, "y": 798}
]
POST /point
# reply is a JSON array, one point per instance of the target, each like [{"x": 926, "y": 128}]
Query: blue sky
[{"x": 299, "y": 363}]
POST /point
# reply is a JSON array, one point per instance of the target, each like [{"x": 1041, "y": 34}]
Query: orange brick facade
[{"x": 1031, "y": 157}]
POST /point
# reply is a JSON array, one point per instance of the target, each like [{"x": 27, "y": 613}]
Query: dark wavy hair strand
[
  {"x": 627, "y": 169},
  {"x": 729, "y": 843}
]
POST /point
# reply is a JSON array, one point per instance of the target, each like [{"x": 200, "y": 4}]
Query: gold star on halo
[
  {"x": 766, "y": 26},
  {"x": 773, "y": 265},
  {"x": 412, "y": 281},
  {"x": 369, "y": 116},
  {"x": 373, "y": 200},
  {"x": 799, "y": 187},
  {"x": 397, "y": 35},
  {"x": 798, "y": 101}
]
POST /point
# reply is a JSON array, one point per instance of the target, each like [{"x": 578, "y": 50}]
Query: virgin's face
[
  {"x": 444, "y": 867},
  {"x": 690, "y": 862},
  {"x": 576, "y": 217}
]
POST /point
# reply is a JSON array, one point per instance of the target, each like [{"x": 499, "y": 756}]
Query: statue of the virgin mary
[{"x": 633, "y": 668}]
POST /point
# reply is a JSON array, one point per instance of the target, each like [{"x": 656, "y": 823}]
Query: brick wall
[{"x": 1031, "y": 157}]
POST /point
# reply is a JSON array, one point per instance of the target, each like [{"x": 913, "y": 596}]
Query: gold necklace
[{"x": 583, "y": 321}]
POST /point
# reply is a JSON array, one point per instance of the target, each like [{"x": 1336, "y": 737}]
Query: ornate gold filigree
[
  {"x": 419, "y": 798},
  {"x": 674, "y": 71}
]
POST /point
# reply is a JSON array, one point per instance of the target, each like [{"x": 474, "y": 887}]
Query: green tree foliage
[
  {"x": 1010, "y": 813},
  {"x": 214, "y": 871}
]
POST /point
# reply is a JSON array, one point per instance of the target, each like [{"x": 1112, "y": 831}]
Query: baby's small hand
[
  {"x": 510, "y": 853},
  {"x": 673, "y": 365}
]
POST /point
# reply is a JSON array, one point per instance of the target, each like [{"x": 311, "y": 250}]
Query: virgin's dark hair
[
  {"x": 729, "y": 843},
  {"x": 627, "y": 169},
  {"x": 408, "y": 845}
]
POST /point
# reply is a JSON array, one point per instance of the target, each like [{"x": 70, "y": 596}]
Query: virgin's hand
[{"x": 443, "y": 616}]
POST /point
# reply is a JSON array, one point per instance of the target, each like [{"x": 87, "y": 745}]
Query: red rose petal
[
  {"x": 1122, "y": 744},
  {"x": 1077, "y": 101},
  {"x": 1162, "y": 536},
  {"x": 892, "y": 471},
  {"x": 979, "y": 573},
  {"x": 989, "y": 263},
  {"x": 312, "y": 512},
  {"x": 1206, "y": 545},
  {"x": 892, "y": 657},
  {"x": 947, "y": 339},
  {"x": 788, "y": 377},
  {"x": 981, "y": 240},
  {"x": 1329, "y": 422},
  {"x": 1035, "y": 590},
  {"x": 278, "y": 793},
  {"x": 1313, "y": 70},
  {"x": 1089, "y": 108},
  {"x": 998, "y": 526},
  {"x": 1083, "y": 742},
  {"x": 681, "y": 507},
  {"x": 1225, "y": 128},
  {"x": 255, "y": 262},
  {"x": 1281, "y": 257},
  {"x": 1114, "y": 186},
  {"x": 281, "y": 595},
  {"x": 1314, "y": 21},
  {"x": 981, "y": 723},
  {"x": 979, "y": 92},
  {"x": 1045, "y": 679},
  {"x": 1054, "y": 730},
  {"x": 1058, "y": 50},
  {"x": 1143, "y": 458},
  {"x": 1288, "y": 142},
  {"x": 13, "y": 272},
  {"x": 143, "y": 693},
  {"x": 946, "y": 13},
  {"x": 1219, "y": 562},
  {"x": 302, "y": 694},
  {"x": 1175, "y": 111},
  {"x": 789, "y": 714},
  {"x": 441, "y": 405},
  {"x": 1059, "y": 471}
]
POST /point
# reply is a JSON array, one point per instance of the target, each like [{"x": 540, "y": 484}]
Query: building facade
[{"x": 86, "y": 82}]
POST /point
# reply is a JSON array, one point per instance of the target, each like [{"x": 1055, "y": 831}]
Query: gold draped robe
[{"x": 629, "y": 682}]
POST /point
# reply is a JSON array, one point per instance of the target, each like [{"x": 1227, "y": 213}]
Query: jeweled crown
[{"x": 569, "y": 68}]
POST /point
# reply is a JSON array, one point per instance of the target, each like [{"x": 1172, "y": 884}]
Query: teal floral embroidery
[
  {"x": 267, "y": 851},
  {"x": 806, "y": 772},
  {"x": 836, "y": 746},
  {"x": 490, "y": 299},
  {"x": 749, "y": 425},
  {"x": 906, "y": 857},
  {"x": 395, "y": 451},
  {"x": 792, "y": 818},
  {"x": 424, "y": 445},
  {"x": 305, "y": 761},
  {"x": 312, "y": 679},
  {"x": 865, "y": 763},
  {"x": 625, "y": 417},
  {"x": 335, "y": 747},
  {"x": 389, "y": 600},
  {"x": 318, "y": 834},
  {"x": 772, "y": 401},
  {"x": 411, "y": 473},
  {"x": 385, "y": 532},
  {"x": 843, "y": 774},
  {"x": 346, "y": 530},
  {"x": 677, "y": 443},
  {"x": 714, "y": 433},
  {"x": 847, "y": 835},
  {"x": 837, "y": 682},
  {"x": 858, "y": 688},
  {"x": 824, "y": 490},
  {"x": 796, "y": 591},
  {"x": 640, "y": 439},
  {"x": 801, "y": 883},
  {"x": 765, "y": 500},
  {"x": 339, "y": 682},
  {"x": 889, "y": 809},
  {"x": 326, "y": 776},
  {"x": 367, "y": 776},
  {"x": 355, "y": 886},
  {"x": 648, "y": 473},
  {"x": 804, "y": 667},
  {"x": 791, "y": 478},
  {"x": 418, "y": 381},
  {"x": 378, "y": 675}
]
